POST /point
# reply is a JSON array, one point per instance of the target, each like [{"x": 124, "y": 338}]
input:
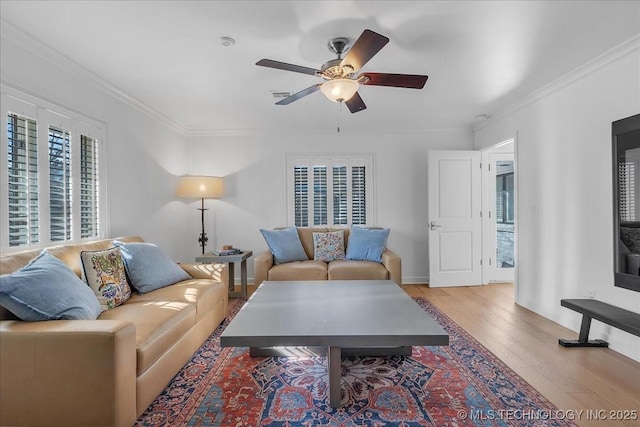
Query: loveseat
[
  {"x": 103, "y": 372},
  {"x": 385, "y": 265}
]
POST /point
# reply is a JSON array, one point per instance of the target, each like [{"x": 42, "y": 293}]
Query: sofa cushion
[
  {"x": 149, "y": 267},
  {"x": 201, "y": 293},
  {"x": 47, "y": 289},
  {"x": 366, "y": 244},
  {"x": 299, "y": 270},
  {"x": 328, "y": 246},
  {"x": 159, "y": 325},
  {"x": 285, "y": 245},
  {"x": 104, "y": 273},
  {"x": 356, "y": 270}
]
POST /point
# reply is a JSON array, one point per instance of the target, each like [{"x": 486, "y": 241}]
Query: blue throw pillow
[
  {"x": 366, "y": 244},
  {"x": 47, "y": 289},
  {"x": 285, "y": 245},
  {"x": 148, "y": 267}
]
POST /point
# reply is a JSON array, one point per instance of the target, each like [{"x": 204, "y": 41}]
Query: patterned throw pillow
[
  {"x": 105, "y": 274},
  {"x": 329, "y": 246}
]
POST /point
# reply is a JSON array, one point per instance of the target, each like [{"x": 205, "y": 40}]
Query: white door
[
  {"x": 455, "y": 228},
  {"x": 499, "y": 217}
]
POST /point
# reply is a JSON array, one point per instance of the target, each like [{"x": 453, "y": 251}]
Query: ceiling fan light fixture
[{"x": 339, "y": 90}]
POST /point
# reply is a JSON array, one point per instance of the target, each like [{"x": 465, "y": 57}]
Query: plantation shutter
[
  {"x": 358, "y": 195},
  {"x": 335, "y": 190},
  {"x": 89, "y": 188},
  {"x": 500, "y": 199},
  {"x": 301, "y": 196},
  {"x": 319, "y": 195},
  {"x": 509, "y": 202},
  {"x": 59, "y": 184},
  {"x": 340, "y": 201},
  {"x": 22, "y": 156}
]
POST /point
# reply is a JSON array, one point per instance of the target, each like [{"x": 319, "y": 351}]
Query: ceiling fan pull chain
[{"x": 339, "y": 112}]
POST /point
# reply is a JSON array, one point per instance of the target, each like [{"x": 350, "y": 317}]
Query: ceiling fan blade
[
  {"x": 410, "y": 81},
  {"x": 355, "y": 103},
  {"x": 298, "y": 95},
  {"x": 287, "y": 67},
  {"x": 368, "y": 44}
]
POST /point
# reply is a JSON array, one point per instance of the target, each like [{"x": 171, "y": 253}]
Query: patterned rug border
[{"x": 180, "y": 402}]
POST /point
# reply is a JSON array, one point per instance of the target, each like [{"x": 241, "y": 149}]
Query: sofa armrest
[
  {"x": 68, "y": 372},
  {"x": 262, "y": 263},
  {"x": 393, "y": 264}
]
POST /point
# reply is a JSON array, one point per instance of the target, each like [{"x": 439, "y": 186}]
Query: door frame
[{"x": 507, "y": 146}]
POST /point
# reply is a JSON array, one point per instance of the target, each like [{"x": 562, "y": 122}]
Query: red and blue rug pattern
[{"x": 462, "y": 384}]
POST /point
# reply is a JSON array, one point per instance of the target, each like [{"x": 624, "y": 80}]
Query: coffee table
[{"x": 360, "y": 317}]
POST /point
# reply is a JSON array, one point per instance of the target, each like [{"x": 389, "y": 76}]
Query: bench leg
[{"x": 583, "y": 337}]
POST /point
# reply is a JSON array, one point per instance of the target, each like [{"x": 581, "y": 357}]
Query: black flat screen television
[{"x": 626, "y": 202}]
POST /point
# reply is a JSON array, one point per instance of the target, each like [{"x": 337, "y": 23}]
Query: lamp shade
[
  {"x": 200, "y": 187},
  {"x": 338, "y": 90}
]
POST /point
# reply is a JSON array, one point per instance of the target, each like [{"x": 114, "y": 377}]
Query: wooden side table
[{"x": 210, "y": 258}]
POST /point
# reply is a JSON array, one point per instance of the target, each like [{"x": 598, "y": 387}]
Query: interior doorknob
[{"x": 433, "y": 225}]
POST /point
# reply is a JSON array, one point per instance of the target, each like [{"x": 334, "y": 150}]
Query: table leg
[
  {"x": 243, "y": 278},
  {"x": 232, "y": 276},
  {"x": 335, "y": 375}
]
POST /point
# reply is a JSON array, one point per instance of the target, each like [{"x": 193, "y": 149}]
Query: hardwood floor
[{"x": 594, "y": 380}]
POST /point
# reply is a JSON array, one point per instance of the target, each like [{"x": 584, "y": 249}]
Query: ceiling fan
[{"x": 342, "y": 81}]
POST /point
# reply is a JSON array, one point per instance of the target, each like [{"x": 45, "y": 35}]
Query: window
[
  {"x": 327, "y": 190},
  {"x": 22, "y": 179},
  {"x": 504, "y": 193},
  {"x": 54, "y": 180}
]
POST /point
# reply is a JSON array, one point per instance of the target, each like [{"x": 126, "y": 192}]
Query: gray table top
[{"x": 349, "y": 313}]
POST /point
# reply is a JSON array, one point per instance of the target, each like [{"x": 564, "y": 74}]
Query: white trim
[
  {"x": 620, "y": 51},
  {"x": 52, "y": 55},
  {"x": 46, "y": 114}
]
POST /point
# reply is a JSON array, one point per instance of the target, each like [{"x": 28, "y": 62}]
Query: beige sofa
[
  {"x": 265, "y": 269},
  {"x": 103, "y": 372}
]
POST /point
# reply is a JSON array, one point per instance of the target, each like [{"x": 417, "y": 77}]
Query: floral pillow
[
  {"x": 105, "y": 274},
  {"x": 328, "y": 246}
]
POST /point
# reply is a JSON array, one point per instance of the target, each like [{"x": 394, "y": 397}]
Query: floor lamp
[{"x": 200, "y": 187}]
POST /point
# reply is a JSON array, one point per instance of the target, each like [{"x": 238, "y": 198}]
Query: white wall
[
  {"x": 255, "y": 180},
  {"x": 144, "y": 155},
  {"x": 565, "y": 218}
]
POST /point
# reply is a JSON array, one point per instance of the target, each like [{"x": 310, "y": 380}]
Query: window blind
[
  {"x": 358, "y": 195},
  {"x": 319, "y": 195},
  {"x": 89, "y": 188},
  {"x": 300, "y": 195},
  {"x": 59, "y": 184},
  {"x": 335, "y": 191},
  {"x": 22, "y": 156},
  {"x": 340, "y": 201}
]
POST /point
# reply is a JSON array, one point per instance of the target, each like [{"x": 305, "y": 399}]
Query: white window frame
[
  {"x": 47, "y": 114},
  {"x": 331, "y": 160}
]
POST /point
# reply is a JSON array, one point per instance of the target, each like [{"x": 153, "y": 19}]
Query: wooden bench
[{"x": 620, "y": 318}]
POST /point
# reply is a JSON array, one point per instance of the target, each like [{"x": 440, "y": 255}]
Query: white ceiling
[{"x": 480, "y": 56}]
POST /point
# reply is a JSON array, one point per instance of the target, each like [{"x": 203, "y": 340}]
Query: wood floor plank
[{"x": 595, "y": 381}]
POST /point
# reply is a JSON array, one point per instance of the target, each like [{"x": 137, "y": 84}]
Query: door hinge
[
  {"x": 489, "y": 167},
  {"x": 489, "y": 214},
  {"x": 480, "y": 261}
]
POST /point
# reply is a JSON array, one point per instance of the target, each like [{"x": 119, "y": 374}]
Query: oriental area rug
[{"x": 462, "y": 384}]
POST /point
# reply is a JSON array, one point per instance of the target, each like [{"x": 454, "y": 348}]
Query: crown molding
[
  {"x": 197, "y": 133},
  {"x": 48, "y": 53},
  {"x": 614, "y": 54}
]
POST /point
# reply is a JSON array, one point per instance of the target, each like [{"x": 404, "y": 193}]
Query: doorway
[{"x": 499, "y": 213}]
